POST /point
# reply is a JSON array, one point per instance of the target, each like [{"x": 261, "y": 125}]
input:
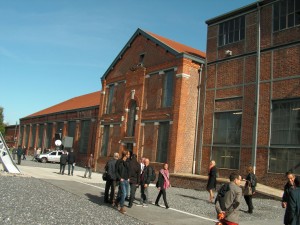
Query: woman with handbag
[{"x": 249, "y": 190}]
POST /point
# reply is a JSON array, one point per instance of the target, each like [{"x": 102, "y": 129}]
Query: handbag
[
  {"x": 248, "y": 189},
  {"x": 104, "y": 176}
]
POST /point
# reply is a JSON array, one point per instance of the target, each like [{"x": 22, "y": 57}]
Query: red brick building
[
  {"x": 11, "y": 135},
  {"x": 149, "y": 102},
  {"x": 253, "y": 51},
  {"x": 76, "y": 118}
]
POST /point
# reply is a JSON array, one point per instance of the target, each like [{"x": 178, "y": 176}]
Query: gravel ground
[{"x": 39, "y": 202}]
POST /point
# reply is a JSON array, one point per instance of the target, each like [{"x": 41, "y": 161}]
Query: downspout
[
  {"x": 197, "y": 119},
  {"x": 255, "y": 130}
]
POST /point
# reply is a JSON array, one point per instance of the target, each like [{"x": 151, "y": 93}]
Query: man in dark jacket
[
  {"x": 63, "y": 162},
  {"x": 71, "y": 161},
  {"x": 145, "y": 181},
  {"x": 288, "y": 188},
  {"x": 110, "y": 168},
  {"x": 293, "y": 207},
  {"x": 122, "y": 175},
  {"x": 19, "y": 154},
  {"x": 134, "y": 177}
]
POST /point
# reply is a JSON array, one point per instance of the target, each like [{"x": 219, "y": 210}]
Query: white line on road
[{"x": 177, "y": 210}]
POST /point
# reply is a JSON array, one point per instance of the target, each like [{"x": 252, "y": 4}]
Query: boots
[{"x": 122, "y": 210}]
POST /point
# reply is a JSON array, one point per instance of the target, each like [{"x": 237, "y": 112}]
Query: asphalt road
[{"x": 186, "y": 206}]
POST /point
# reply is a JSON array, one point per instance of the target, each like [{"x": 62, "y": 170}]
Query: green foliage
[{"x": 2, "y": 125}]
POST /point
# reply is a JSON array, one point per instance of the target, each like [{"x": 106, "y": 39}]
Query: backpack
[
  {"x": 152, "y": 174},
  {"x": 253, "y": 180},
  {"x": 221, "y": 196}
]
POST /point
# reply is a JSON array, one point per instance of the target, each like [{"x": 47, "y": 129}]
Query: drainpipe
[
  {"x": 197, "y": 120},
  {"x": 255, "y": 130}
]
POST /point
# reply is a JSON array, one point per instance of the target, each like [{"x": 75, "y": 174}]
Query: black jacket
[
  {"x": 160, "y": 181},
  {"x": 111, "y": 169},
  {"x": 134, "y": 171},
  {"x": 71, "y": 157},
  {"x": 251, "y": 178},
  {"x": 63, "y": 159},
  {"x": 122, "y": 170},
  {"x": 146, "y": 175}
]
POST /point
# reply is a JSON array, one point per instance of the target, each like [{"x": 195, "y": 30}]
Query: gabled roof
[
  {"x": 80, "y": 102},
  {"x": 176, "y": 48}
]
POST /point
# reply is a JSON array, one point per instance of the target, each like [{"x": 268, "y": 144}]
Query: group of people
[
  {"x": 67, "y": 157},
  {"x": 128, "y": 174},
  {"x": 227, "y": 205}
]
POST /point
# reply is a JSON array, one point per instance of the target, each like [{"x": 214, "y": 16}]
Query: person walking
[
  {"x": 250, "y": 181},
  {"x": 88, "y": 167},
  {"x": 71, "y": 162},
  {"x": 144, "y": 182},
  {"x": 110, "y": 184},
  {"x": 163, "y": 183},
  {"x": 212, "y": 180},
  {"x": 14, "y": 152},
  {"x": 293, "y": 207},
  {"x": 134, "y": 177},
  {"x": 122, "y": 174},
  {"x": 232, "y": 201},
  {"x": 63, "y": 161},
  {"x": 24, "y": 153},
  {"x": 19, "y": 154},
  {"x": 288, "y": 188}
]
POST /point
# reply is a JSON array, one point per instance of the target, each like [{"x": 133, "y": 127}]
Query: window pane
[
  {"x": 105, "y": 140},
  {"x": 110, "y": 99},
  {"x": 291, "y": 19},
  {"x": 227, "y": 128},
  {"x": 168, "y": 89},
  {"x": 162, "y": 143},
  {"x": 84, "y": 136},
  {"x": 297, "y": 17},
  {"x": 226, "y": 157},
  {"x": 283, "y": 160},
  {"x": 290, "y": 6}
]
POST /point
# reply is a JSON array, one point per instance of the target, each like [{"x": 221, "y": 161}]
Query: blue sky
[{"x": 54, "y": 50}]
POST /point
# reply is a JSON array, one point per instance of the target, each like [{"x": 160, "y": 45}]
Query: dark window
[
  {"x": 232, "y": 31},
  {"x": 53, "y": 153},
  {"x": 226, "y": 157},
  {"x": 84, "y": 136},
  {"x": 227, "y": 128},
  {"x": 71, "y": 129},
  {"x": 168, "y": 82},
  {"x": 49, "y": 135},
  {"x": 33, "y": 132},
  {"x": 27, "y": 135},
  {"x": 227, "y": 137},
  {"x": 162, "y": 143},
  {"x": 282, "y": 160},
  {"x": 110, "y": 99},
  {"x": 105, "y": 140},
  {"x": 131, "y": 119},
  {"x": 59, "y": 127},
  {"x": 141, "y": 61},
  {"x": 41, "y": 136},
  {"x": 286, "y": 14},
  {"x": 285, "y": 127},
  {"x": 285, "y": 136}
]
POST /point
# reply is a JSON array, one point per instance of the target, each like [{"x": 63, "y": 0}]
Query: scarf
[{"x": 165, "y": 174}]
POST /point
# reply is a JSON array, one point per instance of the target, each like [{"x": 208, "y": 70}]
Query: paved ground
[{"x": 42, "y": 196}]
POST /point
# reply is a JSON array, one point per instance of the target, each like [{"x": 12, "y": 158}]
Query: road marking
[
  {"x": 90, "y": 185},
  {"x": 177, "y": 210}
]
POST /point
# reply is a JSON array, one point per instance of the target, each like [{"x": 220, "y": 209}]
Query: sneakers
[
  {"x": 139, "y": 204},
  {"x": 145, "y": 205}
]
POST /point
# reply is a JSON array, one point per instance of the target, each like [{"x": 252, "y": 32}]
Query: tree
[{"x": 2, "y": 125}]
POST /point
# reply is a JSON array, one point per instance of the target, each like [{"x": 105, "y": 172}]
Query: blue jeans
[{"x": 124, "y": 189}]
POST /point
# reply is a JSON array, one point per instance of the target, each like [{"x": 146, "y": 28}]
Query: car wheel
[{"x": 44, "y": 160}]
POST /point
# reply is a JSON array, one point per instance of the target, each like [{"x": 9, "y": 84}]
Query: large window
[
  {"x": 105, "y": 140},
  {"x": 285, "y": 136},
  {"x": 227, "y": 138},
  {"x": 131, "y": 119},
  {"x": 286, "y": 14},
  {"x": 49, "y": 143},
  {"x": 110, "y": 99},
  {"x": 226, "y": 157},
  {"x": 33, "y": 132},
  {"x": 168, "y": 82},
  {"x": 71, "y": 129},
  {"x": 162, "y": 143},
  {"x": 232, "y": 31},
  {"x": 84, "y": 136}
]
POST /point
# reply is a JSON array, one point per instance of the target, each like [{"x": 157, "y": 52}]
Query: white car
[{"x": 53, "y": 156}]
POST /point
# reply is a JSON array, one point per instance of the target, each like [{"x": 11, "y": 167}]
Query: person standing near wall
[
  {"x": 19, "y": 154},
  {"x": 89, "y": 165},
  {"x": 71, "y": 162},
  {"x": 212, "y": 180},
  {"x": 110, "y": 184}
]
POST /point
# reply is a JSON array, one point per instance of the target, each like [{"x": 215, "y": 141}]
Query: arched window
[{"x": 131, "y": 118}]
